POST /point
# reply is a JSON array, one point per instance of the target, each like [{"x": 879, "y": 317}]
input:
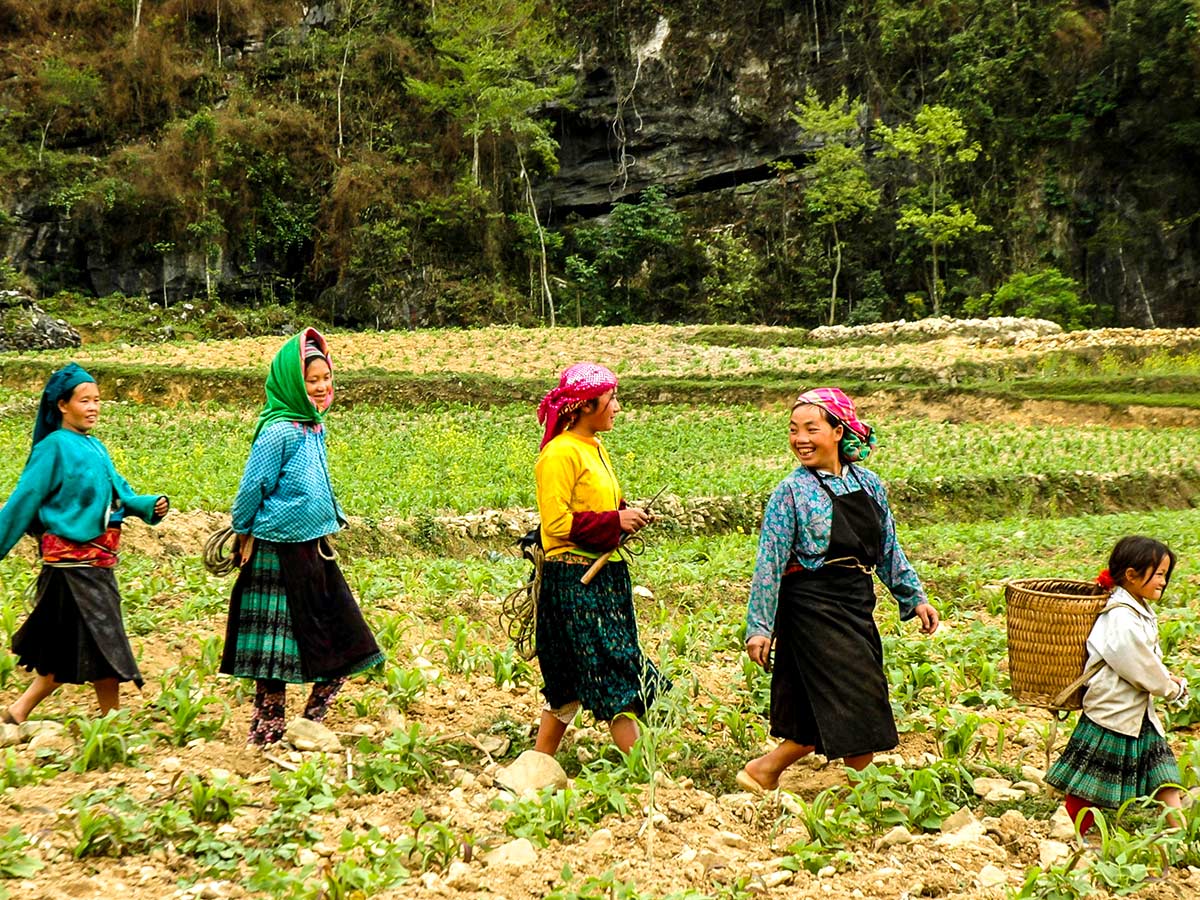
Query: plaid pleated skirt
[
  {"x": 261, "y": 640},
  {"x": 1107, "y": 768},
  {"x": 587, "y": 642}
]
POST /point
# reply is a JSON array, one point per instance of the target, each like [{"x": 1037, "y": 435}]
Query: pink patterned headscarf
[
  {"x": 857, "y": 443},
  {"x": 576, "y": 386}
]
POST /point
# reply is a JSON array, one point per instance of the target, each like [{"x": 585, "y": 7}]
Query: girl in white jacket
[{"x": 1118, "y": 750}]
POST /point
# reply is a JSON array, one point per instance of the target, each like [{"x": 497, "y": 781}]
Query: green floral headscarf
[{"x": 287, "y": 399}]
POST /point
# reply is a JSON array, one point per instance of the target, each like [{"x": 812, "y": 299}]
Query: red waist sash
[{"x": 100, "y": 551}]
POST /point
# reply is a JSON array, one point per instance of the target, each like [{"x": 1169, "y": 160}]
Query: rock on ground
[
  {"x": 532, "y": 771},
  {"x": 305, "y": 734},
  {"x": 991, "y": 876},
  {"x": 25, "y": 326},
  {"x": 517, "y": 854}
]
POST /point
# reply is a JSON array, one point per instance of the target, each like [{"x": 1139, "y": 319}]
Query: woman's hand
[
  {"x": 758, "y": 648},
  {"x": 161, "y": 506},
  {"x": 633, "y": 520},
  {"x": 929, "y": 618},
  {"x": 242, "y": 552}
]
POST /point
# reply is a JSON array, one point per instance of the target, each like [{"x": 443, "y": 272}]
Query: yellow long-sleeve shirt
[{"x": 574, "y": 474}]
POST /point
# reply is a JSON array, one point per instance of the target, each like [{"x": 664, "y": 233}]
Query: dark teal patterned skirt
[
  {"x": 1107, "y": 768},
  {"x": 260, "y": 639},
  {"x": 587, "y": 642}
]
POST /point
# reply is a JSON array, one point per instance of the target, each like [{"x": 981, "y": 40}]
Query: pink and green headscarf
[
  {"x": 858, "y": 438},
  {"x": 287, "y": 398},
  {"x": 576, "y": 386}
]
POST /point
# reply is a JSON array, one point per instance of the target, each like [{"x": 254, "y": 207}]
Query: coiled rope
[
  {"x": 221, "y": 547},
  {"x": 518, "y": 612},
  {"x": 218, "y": 558}
]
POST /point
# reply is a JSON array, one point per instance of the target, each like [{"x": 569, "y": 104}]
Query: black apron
[
  {"x": 828, "y": 689},
  {"x": 76, "y": 632}
]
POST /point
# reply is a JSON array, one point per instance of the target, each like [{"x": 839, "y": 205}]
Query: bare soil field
[
  {"x": 676, "y": 838},
  {"x": 642, "y": 350}
]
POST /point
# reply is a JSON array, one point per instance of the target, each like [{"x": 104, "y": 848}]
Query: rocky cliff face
[
  {"x": 700, "y": 103},
  {"x": 696, "y": 98},
  {"x": 693, "y": 110}
]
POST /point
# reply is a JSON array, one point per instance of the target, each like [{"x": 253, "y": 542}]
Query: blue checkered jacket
[{"x": 286, "y": 494}]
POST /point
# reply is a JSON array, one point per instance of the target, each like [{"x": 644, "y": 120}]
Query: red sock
[{"x": 1073, "y": 806}]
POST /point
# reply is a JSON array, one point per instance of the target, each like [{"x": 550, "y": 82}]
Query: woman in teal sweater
[
  {"x": 71, "y": 498},
  {"x": 292, "y": 618}
]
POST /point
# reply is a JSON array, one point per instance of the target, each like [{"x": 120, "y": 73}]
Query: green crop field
[
  {"x": 433, "y": 459},
  {"x": 165, "y": 796}
]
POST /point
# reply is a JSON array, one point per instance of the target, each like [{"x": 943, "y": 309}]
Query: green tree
[
  {"x": 200, "y": 135},
  {"x": 732, "y": 277},
  {"x": 63, "y": 88},
  {"x": 501, "y": 62},
  {"x": 935, "y": 144},
  {"x": 1045, "y": 294},
  {"x": 609, "y": 255},
  {"x": 837, "y": 187}
]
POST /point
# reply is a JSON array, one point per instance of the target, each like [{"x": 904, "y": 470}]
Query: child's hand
[
  {"x": 161, "y": 507},
  {"x": 1183, "y": 689}
]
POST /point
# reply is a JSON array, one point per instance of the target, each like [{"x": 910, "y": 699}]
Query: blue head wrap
[{"x": 59, "y": 387}]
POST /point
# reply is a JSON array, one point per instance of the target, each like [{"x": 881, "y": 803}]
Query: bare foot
[{"x": 763, "y": 777}]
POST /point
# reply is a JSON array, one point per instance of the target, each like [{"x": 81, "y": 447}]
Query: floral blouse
[{"x": 795, "y": 531}]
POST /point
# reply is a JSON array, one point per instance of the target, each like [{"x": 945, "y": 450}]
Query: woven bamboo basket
[{"x": 1048, "y": 625}]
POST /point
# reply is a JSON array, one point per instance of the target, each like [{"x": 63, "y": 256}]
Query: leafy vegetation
[
  {"x": 459, "y": 458},
  {"x": 410, "y": 800},
  {"x": 389, "y": 163}
]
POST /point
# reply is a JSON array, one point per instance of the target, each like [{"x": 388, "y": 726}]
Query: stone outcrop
[
  {"x": 689, "y": 109},
  {"x": 25, "y": 326},
  {"x": 1004, "y": 330}
]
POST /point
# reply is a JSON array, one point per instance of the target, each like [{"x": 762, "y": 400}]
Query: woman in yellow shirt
[{"x": 587, "y": 639}]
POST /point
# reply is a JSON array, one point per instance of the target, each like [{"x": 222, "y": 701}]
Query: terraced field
[{"x": 1002, "y": 462}]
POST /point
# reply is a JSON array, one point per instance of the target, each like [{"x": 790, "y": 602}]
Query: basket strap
[{"x": 1061, "y": 697}]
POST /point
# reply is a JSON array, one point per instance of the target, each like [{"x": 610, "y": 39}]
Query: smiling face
[
  {"x": 81, "y": 410},
  {"x": 1150, "y": 584},
  {"x": 318, "y": 382},
  {"x": 813, "y": 439}
]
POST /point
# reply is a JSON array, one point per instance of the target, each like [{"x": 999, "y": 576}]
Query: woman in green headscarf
[
  {"x": 71, "y": 499},
  {"x": 292, "y": 618}
]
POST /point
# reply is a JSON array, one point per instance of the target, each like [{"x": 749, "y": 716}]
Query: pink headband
[
  {"x": 835, "y": 402},
  {"x": 313, "y": 346},
  {"x": 576, "y": 386}
]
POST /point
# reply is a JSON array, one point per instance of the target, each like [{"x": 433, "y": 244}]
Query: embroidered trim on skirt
[
  {"x": 260, "y": 641},
  {"x": 587, "y": 642},
  {"x": 76, "y": 632},
  {"x": 1107, "y": 768}
]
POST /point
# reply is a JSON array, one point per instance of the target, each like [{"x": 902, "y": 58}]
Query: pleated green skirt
[
  {"x": 1107, "y": 768},
  {"x": 587, "y": 642}
]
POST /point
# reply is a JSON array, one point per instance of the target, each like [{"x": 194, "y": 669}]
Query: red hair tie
[{"x": 1105, "y": 580}]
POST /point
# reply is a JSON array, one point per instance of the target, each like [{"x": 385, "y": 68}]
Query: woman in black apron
[{"x": 826, "y": 529}]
